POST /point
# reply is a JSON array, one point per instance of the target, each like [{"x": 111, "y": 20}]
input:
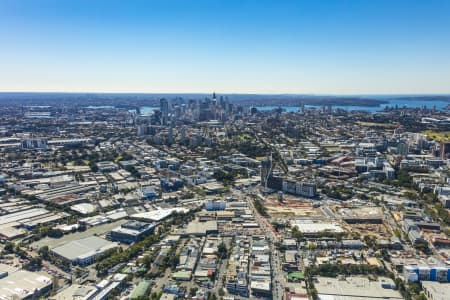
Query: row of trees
[
  {"x": 333, "y": 270},
  {"x": 227, "y": 178},
  {"x": 119, "y": 255},
  {"x": 412, "y": 291},
  {"x": 260, "y": 208}
]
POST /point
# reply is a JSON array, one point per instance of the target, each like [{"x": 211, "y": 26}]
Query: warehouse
[
  {"x": 366, "y": 215},
  {"x": 22, "y": 215},
  {"x": 131, "y": 232},
  {"x": 311, "y": 228},
  {"x": 83, "y": 251},
  {"x": 158, "y": 214},
  {"x": 21, "y": 284},
  {"x": 196, "y": 228},
  {"x": 71, "y": 193},
  {"x": 357, "y": 287}
]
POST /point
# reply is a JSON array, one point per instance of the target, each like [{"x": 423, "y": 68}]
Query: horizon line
[{"x": 226, "y": 93}]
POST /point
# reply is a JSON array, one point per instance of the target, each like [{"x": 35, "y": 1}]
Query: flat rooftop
[
  {"x": 201, "y": 228},
  {"x": 157, "y": 214},
  {"x": 22, "y": 284},
  {"x": 361, "y": 213},
  {"x": 83, "y": 247},
  {"x": 314, "y": 227},
  {"x": 354, "y": 288},
  {"x": 437, "y": 290}
]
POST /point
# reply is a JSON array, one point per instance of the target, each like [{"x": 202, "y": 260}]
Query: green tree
[
  {"x": 9, "y": 248},
  {"x": 222, "y": 250},
  {"x": 43, "y": 252},
  {"x": 193, "y": 291}
]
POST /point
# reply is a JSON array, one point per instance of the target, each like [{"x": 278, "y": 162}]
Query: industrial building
[
  {"x": 426, "y": 273},
  {"x": 196, "y": 228},
  {"x": 212, "y": 205},
  {"x": 70, "y": 193},
  {"x": 148, "y": 192},
  {"x": 131, "y": 232},
  {"x": 356, "y": 288},
  {"x": 436, "y": 290},
  {"x": 157, "y": 214},
  {"x": 21, "y": 284},
  {"x": 311, "y": 228},
  {"x": 99, "y": 291},
  {"x": 366, "y": 215},
  {"x": 107, "y": 166},
  {"x": 83, "y": 251}
]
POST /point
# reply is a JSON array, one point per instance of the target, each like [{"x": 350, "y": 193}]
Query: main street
[{"x": 277, "y": 273}]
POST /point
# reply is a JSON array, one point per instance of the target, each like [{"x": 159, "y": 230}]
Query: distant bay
[{"x": 400, "y": 103}]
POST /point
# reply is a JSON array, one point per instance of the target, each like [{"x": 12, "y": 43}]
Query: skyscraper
[
  {"x": 266, "y": 170},
  {"x": 164, "y": 107}
]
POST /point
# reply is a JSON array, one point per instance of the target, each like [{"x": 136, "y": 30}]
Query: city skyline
[{"x": 258, "y": 47}]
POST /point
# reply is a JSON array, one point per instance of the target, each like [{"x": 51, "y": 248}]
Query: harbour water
[
  {"x": 391, "y": 103},
  {"x": 148, "y": 110}
]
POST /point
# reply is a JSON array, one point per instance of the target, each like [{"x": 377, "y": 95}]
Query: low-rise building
[
  {"x": 356, "y": 288},
  {"x": 131, "y": 232},
  {"x": 436, "y": 290},
  {"x": 83, "y": 251},
  {"x": 21, "y": 284}
]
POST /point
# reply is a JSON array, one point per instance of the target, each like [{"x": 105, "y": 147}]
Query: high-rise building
[
  {"x": 170, "y": 138},
  {"x": 164, "y": 107},
  {"x": 403, "y": 148},
  {"x": 444, "y": 149},
  {"x": 183, "y": 135},
  {"x": 266, "y": 170}
]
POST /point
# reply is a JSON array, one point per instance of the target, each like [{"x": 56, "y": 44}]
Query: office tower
[
  {"x": 444, "y": 149},
  {"x": 266, "y": 170},
  {"x": 403, "y": 148},
  {"x": 183, "y": 134},
  {"x": 170, "y": 138},
  {"x": 164, "y": 107}
]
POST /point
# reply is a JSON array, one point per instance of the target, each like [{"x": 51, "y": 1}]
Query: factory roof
[
  {"x": 133, "y": 228},
  {"x": 76, "y": 292},
  {"x": 157, "y": 215},
  {"x": 83, "y": 247},
  {"x": 84, "y": 208},
  {"x": 22, "y": 284},
  {"x": 314, "y": 227},
  {"x": 201, "y": 228},
  {"x": 354, "y": 288},
  {"x": 140, "y": 290},
  {"x": 436, "y": 290}
]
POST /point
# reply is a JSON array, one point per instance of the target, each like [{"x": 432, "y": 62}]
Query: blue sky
[{"x": 242, "y": 46}]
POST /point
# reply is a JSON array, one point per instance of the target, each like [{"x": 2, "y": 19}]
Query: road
[{"x": 277, "y": 272}]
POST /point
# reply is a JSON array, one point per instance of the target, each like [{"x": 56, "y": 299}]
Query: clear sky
[{"x": 242, "y": 46}]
